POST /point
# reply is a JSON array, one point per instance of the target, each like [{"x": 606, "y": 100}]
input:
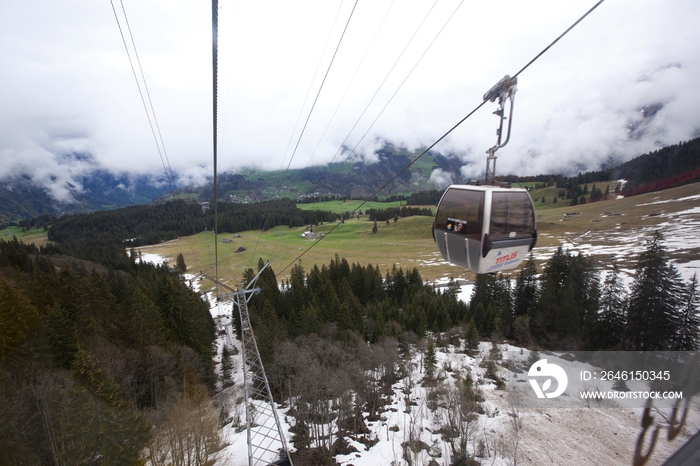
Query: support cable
[
  {"x": 215, "y": 72},
  {"x": 342, "y": 144},
  {"x": 138, "y": 85},
  {"x": 261, "y": 410},
  {"x": 313, "y": 78},
  {"x": 445, "y": 134},
  {"x": 310, "y": 112},
  {"x": 352, "y": 80},
  {"x": 322, "y": 83},
  {"x": 148, "y": 94},
  {"x": 402, "y": 82},
  {"x": 163, "y": 154}
]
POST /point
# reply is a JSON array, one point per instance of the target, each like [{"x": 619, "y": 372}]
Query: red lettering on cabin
[{"x": 503, "y": 259}]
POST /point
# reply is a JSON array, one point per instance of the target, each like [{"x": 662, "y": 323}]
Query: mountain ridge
[{"x": 23, "y": 198}]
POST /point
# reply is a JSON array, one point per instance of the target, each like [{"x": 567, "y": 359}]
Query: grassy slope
[
  {"x": 405, "y": 243},
  {"x": 340, "y": 207},
  {"x": 35, "y": 235},
  {"x": 409, "y": 242}
]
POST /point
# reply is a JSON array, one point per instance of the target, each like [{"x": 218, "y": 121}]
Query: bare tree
[
  {"x": 190, "y": 435},
  {"x": 515, "y": 419}
]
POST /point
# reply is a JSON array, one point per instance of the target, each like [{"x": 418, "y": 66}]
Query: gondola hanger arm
[{"x": 502, "y": 91}]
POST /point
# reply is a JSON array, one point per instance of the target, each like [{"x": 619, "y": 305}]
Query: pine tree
[
  {"x": 471, "y": 338},
  {"x": 483, "y": 294},
  {"x": 374, "y": 228},
  {"x": 100, "y": 422},
  {"x": 181, "y": 266},
  {"x": 569, "y": 297},
  {"x": 526, "y": 292},
  {"x": 611, "y": 321},
  {"x": 688, "y": 334},
  {"x": 652, "y": 314},
  {"x": 18, "y": 319},
  {"x": 430, "y": 360},
  {"x": 504, "y": 303},
  {"x": 226, "y": 366}
]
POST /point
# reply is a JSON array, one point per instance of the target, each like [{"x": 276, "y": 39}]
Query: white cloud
[
  {"x": 440, "y": 178},
  {"x": 67, "y": 87}
]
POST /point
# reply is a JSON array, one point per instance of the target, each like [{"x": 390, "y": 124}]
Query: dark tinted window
[
  {"x": 512, "y": 215},
  {"x": 461, "y": 211}
]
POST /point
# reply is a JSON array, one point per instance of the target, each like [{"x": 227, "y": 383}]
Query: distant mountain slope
[
  {"x": 665, "y": 168},
  {"x": 21, "y": 198},
  {"x": 356, "y": 180}
]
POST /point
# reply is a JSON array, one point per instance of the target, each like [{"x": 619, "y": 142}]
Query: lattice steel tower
[{"x": 266, "y": 442}]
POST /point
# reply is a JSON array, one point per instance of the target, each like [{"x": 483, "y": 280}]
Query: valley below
[{"x": 606, "y": 230}]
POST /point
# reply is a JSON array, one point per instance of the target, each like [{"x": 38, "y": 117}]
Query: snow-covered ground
[
  {"x": 553, "y": 436},
  {"x": 680, "y": 228},
  {"x": 556, "y": 436}
]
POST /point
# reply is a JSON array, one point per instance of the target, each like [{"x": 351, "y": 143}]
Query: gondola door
[
  {"x": 509, "y": 230},
  {"x": 485, "y": 229}
]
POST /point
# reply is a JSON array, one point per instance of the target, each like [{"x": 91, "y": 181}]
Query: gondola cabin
[{"x": 486, "y": 229}]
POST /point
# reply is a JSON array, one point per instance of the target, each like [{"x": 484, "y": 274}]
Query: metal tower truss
[{"x": 266, "y": 442}]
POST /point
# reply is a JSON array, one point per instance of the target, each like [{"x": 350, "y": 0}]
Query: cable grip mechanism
[{"x": 503, "y": 90}]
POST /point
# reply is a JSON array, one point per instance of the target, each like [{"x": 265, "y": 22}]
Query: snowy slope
[
  {"x": 556, "y": 436},
  {"x": 553, "y": 436}
]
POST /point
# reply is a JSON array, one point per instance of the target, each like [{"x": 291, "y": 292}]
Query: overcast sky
[{"x": 66, "y": 85}]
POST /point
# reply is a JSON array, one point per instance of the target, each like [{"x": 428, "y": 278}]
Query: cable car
[{"x": 486, "y": 229}]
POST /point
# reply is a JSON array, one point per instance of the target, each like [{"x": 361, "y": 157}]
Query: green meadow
[{"x": 406, "y": 243}]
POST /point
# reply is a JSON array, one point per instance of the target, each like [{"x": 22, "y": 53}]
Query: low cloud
[
  {"x": 440, "y": 178},
  {"x": 619, "y": 85}
]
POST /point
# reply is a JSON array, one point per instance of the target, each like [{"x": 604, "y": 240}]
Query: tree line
[
  {"x": 95, "y": 362},
  {"x": 103, "y": 236},
  {"x": 336, "y": 338},
  {"x": 355, "y": 298},
  {"x": 382, "y": 215},
  {"x": 566, "y": 306},
  {"x": 234, "y": 217},
  {"x": 664, "y": 168}
]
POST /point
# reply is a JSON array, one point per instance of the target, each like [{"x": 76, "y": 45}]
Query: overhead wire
[
  {"x": 335, "y": 53},
  {"x": 357, "y": 69},
  {"x": 342, "y": 144},
  {"x": 403, "y": 82},
  {"x": 163, "y": 154},
  {"x": 215, "y": 76},
  {"x": 444, "y": 135},
  {"x": 313, "y": 78},
  {"x": 301, "y": 111},
  {"x": 148, "y": 94},
  {"x": 322, "y": 83},
  {"x": 138, "y": 85},
  {"x": 352, "y": 80},
  {"x": 155, "y": 120}
]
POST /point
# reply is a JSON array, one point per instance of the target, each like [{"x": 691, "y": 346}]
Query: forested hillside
[
  {"x": 564, "y": 306},
  {"x": 339, "y": 329},
  {"x": 567, "y": 306},
  {"x": 103, "y": 236},
  {"x": 665, "y": 168},
  {"x": 91, "y": 359},
  {"x": 86, "y": 348}
]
